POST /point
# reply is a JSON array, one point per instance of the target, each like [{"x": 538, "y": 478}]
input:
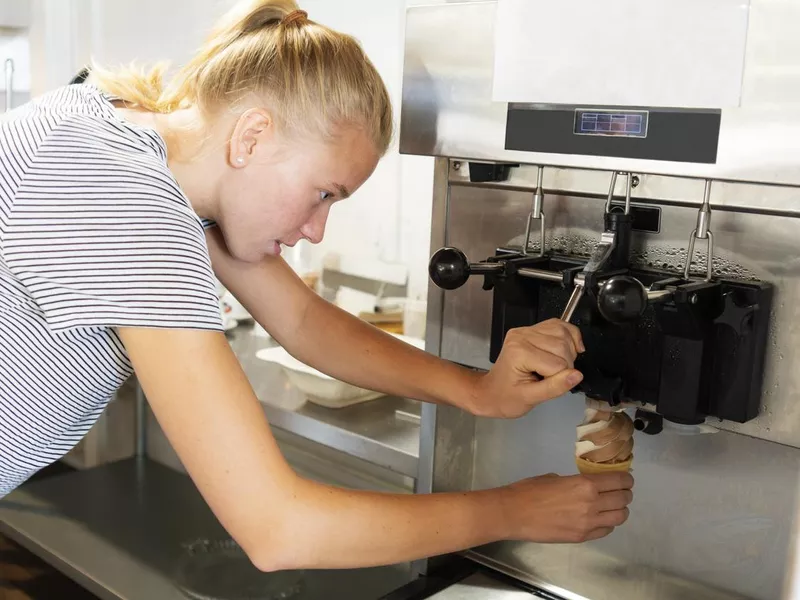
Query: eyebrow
[{"x": 341, "y": 190}]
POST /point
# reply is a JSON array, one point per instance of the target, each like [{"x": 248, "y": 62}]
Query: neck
[{"x": 195, "y": 156}]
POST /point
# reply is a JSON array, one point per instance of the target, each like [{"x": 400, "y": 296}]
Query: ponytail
[{"x": 314, "y": 79}]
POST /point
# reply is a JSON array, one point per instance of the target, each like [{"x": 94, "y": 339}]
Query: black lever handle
[
  {"x": 449, "y": 268},
  {"x": 623, "y": 299}
]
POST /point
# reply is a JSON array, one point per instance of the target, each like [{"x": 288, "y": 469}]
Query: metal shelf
[
  {"x": 124, "y": 530},
  {"x": 384, "y": 431}
]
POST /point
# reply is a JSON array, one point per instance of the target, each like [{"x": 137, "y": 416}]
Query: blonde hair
[{"x": 314, "y": 79}]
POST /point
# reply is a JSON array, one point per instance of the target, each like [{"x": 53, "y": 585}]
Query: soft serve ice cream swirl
[{"x": 605, "y": 436}]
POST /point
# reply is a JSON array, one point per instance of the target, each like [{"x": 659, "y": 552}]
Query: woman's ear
[{"x": 255, "y": 127}]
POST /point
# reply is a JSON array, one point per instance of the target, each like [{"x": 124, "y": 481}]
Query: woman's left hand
[{"x": 536, "y": 364}]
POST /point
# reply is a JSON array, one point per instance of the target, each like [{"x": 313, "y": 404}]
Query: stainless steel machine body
[{"x": 714, "y": 504}]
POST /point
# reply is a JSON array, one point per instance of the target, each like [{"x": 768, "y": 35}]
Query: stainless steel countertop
[
  {"x": 124, "y": 532},
  {"x": 384, "y": 431},
  {"x": 481, "y": 587}
]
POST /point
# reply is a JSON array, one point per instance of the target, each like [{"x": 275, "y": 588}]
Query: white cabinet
[{"x": 15, "y": 14}]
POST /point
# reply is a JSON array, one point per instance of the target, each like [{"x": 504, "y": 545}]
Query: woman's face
[{"x": 278, "y": 191}]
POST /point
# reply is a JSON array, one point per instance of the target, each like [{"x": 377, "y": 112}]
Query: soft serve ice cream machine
[
  {"x": 666, "y": 232},
  {"x": 687, "y": 346}
]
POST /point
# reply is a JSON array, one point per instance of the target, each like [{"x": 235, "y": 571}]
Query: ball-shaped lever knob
[
  {"x": 622, "y": 299},
  {"x": 449, "y": 268}
]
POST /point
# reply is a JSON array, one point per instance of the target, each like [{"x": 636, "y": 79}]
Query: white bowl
[{"x": 318, "y": 387}]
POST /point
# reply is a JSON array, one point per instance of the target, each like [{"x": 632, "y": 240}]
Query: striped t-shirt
[{"x": 95, "y": 234}]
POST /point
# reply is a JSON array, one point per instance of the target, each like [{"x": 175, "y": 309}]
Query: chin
[
  {"x": 253, "y": 252},
  {"x": 248, "y": 255}
]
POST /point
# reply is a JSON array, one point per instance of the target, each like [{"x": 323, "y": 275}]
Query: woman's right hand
[{"x": 564, "y": 509}]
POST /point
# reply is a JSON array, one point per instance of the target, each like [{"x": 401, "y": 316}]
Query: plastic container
[{"x": 318, "y": 387}]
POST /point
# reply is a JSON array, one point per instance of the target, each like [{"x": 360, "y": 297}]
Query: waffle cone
[{"x": 587, "y": 467}]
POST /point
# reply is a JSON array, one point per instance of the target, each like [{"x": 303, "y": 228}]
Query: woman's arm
[
  {"x": 207, "y": 409},
  {"x": 345, "y": 347}
]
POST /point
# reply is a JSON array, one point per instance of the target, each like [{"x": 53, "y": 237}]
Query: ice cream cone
[
  {"x": 605, "y": 440},
  {"x": 586, "y": 467}
]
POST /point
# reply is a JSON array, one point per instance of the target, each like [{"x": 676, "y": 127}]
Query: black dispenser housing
[{"x": 700, "y": 354}]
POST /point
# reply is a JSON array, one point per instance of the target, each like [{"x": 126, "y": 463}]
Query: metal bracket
[
  {"x": 630, "y": 185},
  {"x": 702, "y": 231},
  {"x": 536, "y": 214}
]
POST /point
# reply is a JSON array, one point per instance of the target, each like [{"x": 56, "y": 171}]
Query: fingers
[
  {"x": 612, "y": 506},
  {"x": 547, "y": 350},
  {"x": 558, "y": 345},
  {"x": 612, "y": 518},
  {"x": 610, "y": 501},
  {"x": 554, "y": 336},
  {"x": 534, "y": 359},
  {"x": 561, "y": 328},
  {"x": 554, "y": 386},
  {"x": 609, "y": 482},
  {"x": 575, "y": 334},
  {"x": 596, "y": 534}
]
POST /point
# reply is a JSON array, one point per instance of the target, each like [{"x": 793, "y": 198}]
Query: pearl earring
[{"x": 240, "y": 160}]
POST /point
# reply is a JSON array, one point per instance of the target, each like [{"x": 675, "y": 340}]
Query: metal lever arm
[
  {"x": 449, "y": 268},
  {"x": 574, "y": 299},
  {"x": 597, "y": 261}
]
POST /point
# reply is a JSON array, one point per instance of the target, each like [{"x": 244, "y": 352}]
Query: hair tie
[{"x": 296, "y": 16}]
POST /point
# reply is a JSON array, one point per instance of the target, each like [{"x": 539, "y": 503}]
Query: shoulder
[
  {"x": 83, "y": 104},
  {"x": 89, "y": 124},
  {"x": 94, "y": 161},
  {"x": 25, "y": 129}
]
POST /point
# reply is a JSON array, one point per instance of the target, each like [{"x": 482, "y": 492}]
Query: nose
[{"x": 314, "y": 229}]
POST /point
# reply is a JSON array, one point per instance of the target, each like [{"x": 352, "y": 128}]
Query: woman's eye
[{"x": 324, "y": 195}]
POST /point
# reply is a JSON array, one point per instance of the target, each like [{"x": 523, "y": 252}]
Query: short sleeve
[{"x": 109, "y": 240}]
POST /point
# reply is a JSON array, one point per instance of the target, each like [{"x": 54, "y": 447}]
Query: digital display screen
[{"x": 632, "y": 123}]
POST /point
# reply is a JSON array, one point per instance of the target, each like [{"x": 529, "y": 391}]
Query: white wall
[
  {"x": 14, "y": 55},
  {"x": 15, "y": 13},
  {"x": 151, "y": 30},
  {"x": 15, "y": 19},
  {"x": 388, "y": 219}
]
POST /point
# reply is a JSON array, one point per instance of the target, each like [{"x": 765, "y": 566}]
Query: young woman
[{"x": 119, "y": 202}]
